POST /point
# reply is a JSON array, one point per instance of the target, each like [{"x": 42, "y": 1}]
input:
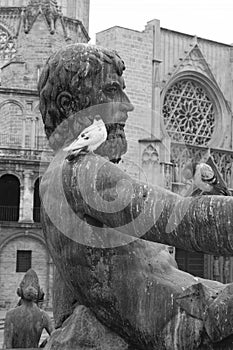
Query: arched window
[
  {"x": 189, "y": 113},
  {"x": 41, "y": 139},
  {"x": 9, "y": 198},
  {"x": 11, "y": 125},
  {"x": 36, "y": 201}
]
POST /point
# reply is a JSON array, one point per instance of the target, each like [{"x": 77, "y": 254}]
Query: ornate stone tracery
[
  {"x": 7, "y": 46},
  {"x": 189, "y": 113},
  {"x": 150, "y": 155}
]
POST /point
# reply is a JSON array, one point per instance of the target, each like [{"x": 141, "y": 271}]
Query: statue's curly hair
[{"x": 72, "y": 72}]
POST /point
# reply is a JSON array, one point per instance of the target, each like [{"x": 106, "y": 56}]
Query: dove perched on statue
[
  {"x": 206, "y": 179},
  {"x": 89, "y": 139}
]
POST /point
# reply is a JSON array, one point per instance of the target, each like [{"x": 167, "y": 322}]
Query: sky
[{"x": 209, "y": 19}]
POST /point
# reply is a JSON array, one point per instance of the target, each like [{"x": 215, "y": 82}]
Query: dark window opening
[
  {"x": 9, "y": 198},
  {"x": 23, "y": 260},
  {"x": 191, "y": 262},
  {"x": 36, "y": 201}
]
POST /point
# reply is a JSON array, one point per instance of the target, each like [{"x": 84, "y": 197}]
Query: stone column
[
  {"x": 49, "y": 290},
  {"x": 26, "y": 202},
  {"x": 24, "y": 133},
  {"x": 33, "y": 133},
  {"x": 156, "y": 89}
]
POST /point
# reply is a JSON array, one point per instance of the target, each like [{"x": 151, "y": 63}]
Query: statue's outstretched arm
[{"x": 111, "y": 196}]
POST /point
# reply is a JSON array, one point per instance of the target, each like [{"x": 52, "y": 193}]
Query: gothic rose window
[
  {"x": 189, "y": 113},
  {"x": 7, "y": 46}
]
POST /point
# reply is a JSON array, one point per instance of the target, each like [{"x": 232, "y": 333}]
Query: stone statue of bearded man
[{"x": 102, "y": 228}]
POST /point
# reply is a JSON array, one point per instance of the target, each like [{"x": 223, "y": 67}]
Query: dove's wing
[
  {"x": 92, "y": 136},
  {"x": 80, "y": 142}
]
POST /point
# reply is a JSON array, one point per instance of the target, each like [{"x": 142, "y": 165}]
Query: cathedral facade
[{"x": 29, "y": 32}]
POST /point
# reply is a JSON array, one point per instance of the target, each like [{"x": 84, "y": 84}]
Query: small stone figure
[{"x": 25, "y": 323}]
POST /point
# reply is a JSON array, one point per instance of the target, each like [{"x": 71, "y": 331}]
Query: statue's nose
[{"x": 126, "y": 106}]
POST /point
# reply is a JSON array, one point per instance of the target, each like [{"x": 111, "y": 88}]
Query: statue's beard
[{"x": 115, "y": 145}]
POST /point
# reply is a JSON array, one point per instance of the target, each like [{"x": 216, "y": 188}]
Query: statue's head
[
  {"x": 78, "y": 83},
  {"x": 29, "y": 288}
]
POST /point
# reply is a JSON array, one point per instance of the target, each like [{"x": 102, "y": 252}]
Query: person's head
[{"x": 77, "y": 83}]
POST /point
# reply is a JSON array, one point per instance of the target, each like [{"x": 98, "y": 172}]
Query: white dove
[
  {"x": 90, "y": 139},
  {"x": 205, "y": 179}
]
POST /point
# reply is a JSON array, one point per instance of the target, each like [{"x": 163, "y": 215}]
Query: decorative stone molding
[
  {"x": 7, "y": 44},
  {"x": 48, "y": 8},
  {"x": 150, "y": 156},
  {"x": 51, "y": 12},
  {"x": 20, "y": 234}
]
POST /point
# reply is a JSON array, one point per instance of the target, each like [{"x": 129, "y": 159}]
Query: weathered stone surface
[
  {"x": 64, "y": 301},
  {"x": 219, "y": 315},
  {"x": 196, "y": 299},
  {"x": 82, "y": 331}
]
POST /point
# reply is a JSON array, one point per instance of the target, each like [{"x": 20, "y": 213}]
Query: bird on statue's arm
[{"x": 205, "y": 178}]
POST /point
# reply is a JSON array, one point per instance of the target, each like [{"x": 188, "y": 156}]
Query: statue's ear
[
  {"x": 19, "y": 292},
  {"x": 64, "y": 102}
]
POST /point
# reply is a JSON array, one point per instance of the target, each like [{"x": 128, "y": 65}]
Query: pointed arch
[
  {"x": 11, "y": 123},
  {"x": 150, "y": 155}
]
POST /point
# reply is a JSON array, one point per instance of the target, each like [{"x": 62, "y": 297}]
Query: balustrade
[
  {"x": 16, "y": 140},
  {"x": 9, "y": 213}
]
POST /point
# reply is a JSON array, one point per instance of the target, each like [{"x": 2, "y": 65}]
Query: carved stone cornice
[{"x": 48, "y": 8}]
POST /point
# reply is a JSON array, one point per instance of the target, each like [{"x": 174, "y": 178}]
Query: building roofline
[
  {"x": 133, "y": 30},
  {"x": 198, "y": 37},
  {"x": 168, "y": 30}
]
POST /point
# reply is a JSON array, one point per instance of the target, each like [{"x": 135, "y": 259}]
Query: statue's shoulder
[
  {"x": 10, "y": 312},
  {"x": 85, "y": 168}
]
